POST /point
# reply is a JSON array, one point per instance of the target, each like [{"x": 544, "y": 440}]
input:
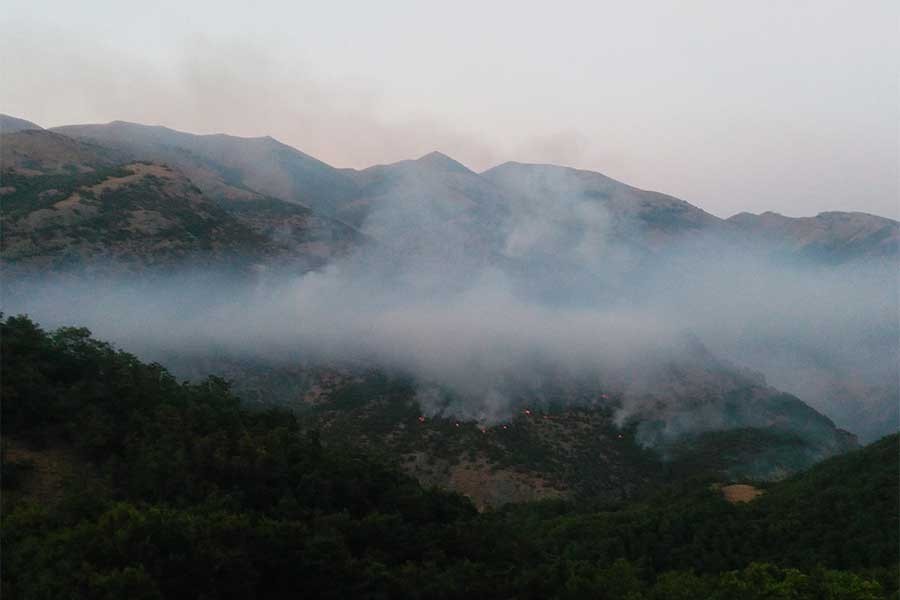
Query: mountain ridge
[
  {"x": 557, "y": 226},
  {"x": 228, "y": 166},
  {"x": 10, "y": 124},
  {"x": 436, "y": 157}
]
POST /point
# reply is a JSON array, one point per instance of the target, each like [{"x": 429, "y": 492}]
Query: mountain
[
  {"x": 432, "y": 212},
  {"x": 304, "y": 239},
  {"x": 225, "y": 166},
  {"x": 39, "y": 165},
  {"x": 515, "y": 208},
  {"x": 832, "y": 237},
  {"x": 10, "y": 124},
  {"x": 41, "y": 152},
  {"x": 656, "y": 217},
  {"x": 132, "y": 217},
  {"x": 234, "y": 168},
  {"x": 438, "y": 182}
]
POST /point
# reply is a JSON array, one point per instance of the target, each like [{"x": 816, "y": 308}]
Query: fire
[
  {"x": 527, "y": 412},
  {"x": 421, "y": 419}
]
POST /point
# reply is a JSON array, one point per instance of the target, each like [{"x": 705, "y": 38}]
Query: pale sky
[{"x": 790, "y": 106}]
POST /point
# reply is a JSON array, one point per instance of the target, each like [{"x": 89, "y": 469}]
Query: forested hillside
[{"x": 121, "y": 482}]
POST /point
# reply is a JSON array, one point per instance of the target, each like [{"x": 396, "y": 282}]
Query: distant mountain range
[
  {"x": 832, "y": 236},
  {"x": 232, "y": 169}
]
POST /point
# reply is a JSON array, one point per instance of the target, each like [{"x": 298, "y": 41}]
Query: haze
[
  {"x": 791, "y": 107},
  {"x": 551, "y": 291}
]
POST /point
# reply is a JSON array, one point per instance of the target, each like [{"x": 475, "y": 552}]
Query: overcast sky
[{"x": 789, "y": 106}]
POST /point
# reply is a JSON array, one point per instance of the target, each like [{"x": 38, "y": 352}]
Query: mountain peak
[
  {"x": 516, "y": 168},
  {"x": 10, "y": 124},
  {"x": 439, "y": 160}
]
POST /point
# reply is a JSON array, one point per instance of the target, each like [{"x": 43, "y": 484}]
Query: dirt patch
[
  {"x": 139, "y": 171},
  {"x": 740, "y": 492},
  {"x": 65, "y": 212},
  {"x": 480, "y": 480},
  {"x": 50, "y": 469},
  {"x": 74, "y": 208},
  {"x": 148, "y": 221},
  {"x": 487, "y": 486}
]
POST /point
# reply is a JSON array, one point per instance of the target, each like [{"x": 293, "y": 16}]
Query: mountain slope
[
  {"x": 41, "y": 152},
  {"x": 10, "y": 124},
  {"x": 657, "y": 217},
  {"x": 225, "y": 166},
  {"x": 572, "y": 438},
  {"x": 249, "y": 168},
  {"x": 304, "y": 239},
  {"x": 833, "y": 237},
  {"x": 132, "y": 217},
  {"x": 432, "y": 213},
  {"x": 40, "y": 161}
]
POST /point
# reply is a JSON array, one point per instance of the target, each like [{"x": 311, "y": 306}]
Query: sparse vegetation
[
  {"x": 136, "y": 215},
  {"x": 36, "y": 192}
]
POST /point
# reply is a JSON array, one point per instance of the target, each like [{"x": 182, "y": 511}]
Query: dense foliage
[{"x": 120, "y": 482}]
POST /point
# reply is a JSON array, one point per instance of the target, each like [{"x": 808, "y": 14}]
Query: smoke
[{"x": 516, "y": 297}]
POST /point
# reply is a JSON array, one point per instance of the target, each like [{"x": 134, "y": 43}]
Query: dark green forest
[{"x": 165, "y": 489}]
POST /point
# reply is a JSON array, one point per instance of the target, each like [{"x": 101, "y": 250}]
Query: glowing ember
[
  {"x": 527, "y": 412},
  {"x": 421, "y": 419}
]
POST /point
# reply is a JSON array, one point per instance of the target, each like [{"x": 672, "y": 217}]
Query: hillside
[
  {"x": 164, "y": 490},
  {"x": 498, "y": 212},
  {"x": 41, "y": 168},
  {"x": 9, "y": 124},
  {"x": 574, "y": 449},
  {"x": 431, "y": 212},
  {"x": 656, "y": 217},
  {"x": 304, "y": 240},
  {"x": 832, "y": 237},
  {"x": 228, "y": 167},
  {"x": 434, "y": 184},
  {"x": 234, "y": 168},
  {"x": 571, "y": 438},
  {"x": 40, "y": 152},
  {"x": 133, "y": 217}
]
